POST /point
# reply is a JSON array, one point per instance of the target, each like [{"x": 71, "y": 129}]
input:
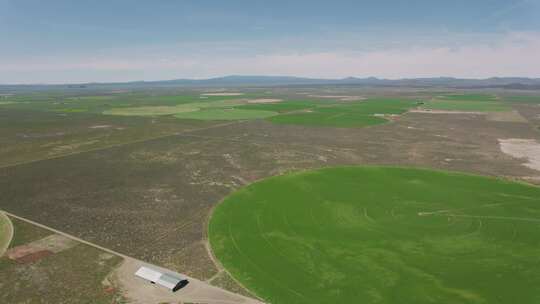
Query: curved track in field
[
  {"x": 382, "y": 235},
  {"x": 6, "y": 232}
]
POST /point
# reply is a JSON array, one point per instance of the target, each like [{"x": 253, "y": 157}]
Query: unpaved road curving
[
  {"x": 6, "y": 232},
  {"x": 141, "y": 291}
]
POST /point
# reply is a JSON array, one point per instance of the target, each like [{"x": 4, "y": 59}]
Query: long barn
[{"x": 166, "y": 280}]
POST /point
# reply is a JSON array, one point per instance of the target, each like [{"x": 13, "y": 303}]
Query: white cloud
[{"x": 515, "y": 54}]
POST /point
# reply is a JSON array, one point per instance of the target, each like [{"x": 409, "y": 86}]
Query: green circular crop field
[{"x": 382, "y": 235}]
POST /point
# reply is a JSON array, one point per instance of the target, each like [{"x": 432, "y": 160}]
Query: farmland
[
  {"x": 282, "y": 107},
  {"x": 360, "y": 114},
  {"x": 226, "y": 114},
  {"x": 132, "y": 172},
  {"x": 168, "y": 110},
  {"x": 266, "y": 152},
  {"x": 523, "y": 99},
  {"x": 407, "y": 234}
]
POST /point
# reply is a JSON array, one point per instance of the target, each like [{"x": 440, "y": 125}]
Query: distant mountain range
[{"x": 263, "y": 81}]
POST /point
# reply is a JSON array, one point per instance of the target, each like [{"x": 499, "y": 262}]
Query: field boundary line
[
  {"x": 180, "y": 133},
  {"x": 68, "y": 235},
  {"x": 216, "y": 262}
]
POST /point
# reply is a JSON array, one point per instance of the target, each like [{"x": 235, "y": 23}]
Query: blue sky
[{"x": 116, "y": 40}]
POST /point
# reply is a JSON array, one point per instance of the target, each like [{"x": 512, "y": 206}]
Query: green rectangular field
[
  {"x": 469, "y": 97},
  {"x": 360, "y": 114},
  {"x": 284, "y": 106},
  {"x": 467, "y": 102},
  {"x": 225, "y": 114},
  {"x": 523, "y": 99}
]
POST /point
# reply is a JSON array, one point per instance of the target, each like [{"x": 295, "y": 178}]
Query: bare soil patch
[
  {"x": 33, "y": 257},
  {"x": 512, "y": 116},
  {"x": 389, "y": 117},
  {"x": 528, "y": 149},
  {"x": 222, "y": 94},
  {"x": 41, "y": 248},
  {"x": 72, "y": 147},
  {"x": 264, "y": 100},
  {"x": 100, "y": 127},
  {"x": 339, "y": 97},
  {"x": 427, "y": 111}
]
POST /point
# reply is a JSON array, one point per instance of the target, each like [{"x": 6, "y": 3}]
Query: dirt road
[{"x": 140, "y": 291}]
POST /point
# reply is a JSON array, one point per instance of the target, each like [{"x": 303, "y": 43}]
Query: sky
[{"x": 60, "y": 41}]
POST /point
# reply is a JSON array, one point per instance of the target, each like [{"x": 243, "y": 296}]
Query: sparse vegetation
[
  {"x": 75, "y": 275},
  {"x": 467, "y": 102},
  {"x": 24, "y": 233}
]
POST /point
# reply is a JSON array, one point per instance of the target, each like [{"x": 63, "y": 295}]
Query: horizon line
[{"x": 262, "y": 75}]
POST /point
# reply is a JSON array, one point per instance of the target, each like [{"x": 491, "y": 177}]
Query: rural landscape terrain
[{"x": 271, "y": 190}]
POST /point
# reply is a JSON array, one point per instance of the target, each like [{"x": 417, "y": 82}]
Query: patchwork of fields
[
  {"x": 141, "y": 173},
  {"x": 318, "y": 112}
]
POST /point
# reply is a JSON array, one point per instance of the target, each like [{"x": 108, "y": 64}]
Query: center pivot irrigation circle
[{"x": 382, "y": 235}]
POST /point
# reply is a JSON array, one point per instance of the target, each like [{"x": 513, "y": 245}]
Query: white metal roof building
[{"x": 166, "y": 280}]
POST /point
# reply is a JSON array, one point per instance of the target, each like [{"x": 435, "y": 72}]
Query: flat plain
[
  {"x": 467, "y": 102},
  {"x": 73, "y": 275},
  {"x": 146, "y": 185}
]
